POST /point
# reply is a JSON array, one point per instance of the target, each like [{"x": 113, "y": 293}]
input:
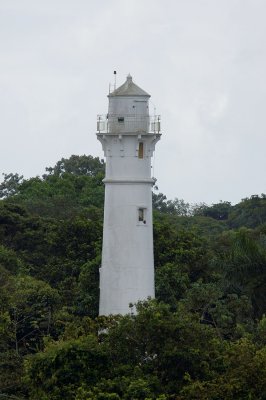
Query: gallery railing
[{"x": 113, "y": 123}]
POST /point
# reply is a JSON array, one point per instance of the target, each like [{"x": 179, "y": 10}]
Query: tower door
[{"x": 141, "y": 115}]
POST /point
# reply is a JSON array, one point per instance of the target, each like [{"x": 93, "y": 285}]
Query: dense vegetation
[{"x": 204, "y": 337}]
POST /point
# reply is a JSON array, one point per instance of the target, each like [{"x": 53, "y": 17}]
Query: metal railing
[{"x": 126, "y": 123}]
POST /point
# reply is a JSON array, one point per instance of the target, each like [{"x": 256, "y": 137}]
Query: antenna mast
[{"x": 114, "y": 79}]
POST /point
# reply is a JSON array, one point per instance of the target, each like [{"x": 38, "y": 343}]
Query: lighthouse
[{"x": 128, "y": 135}]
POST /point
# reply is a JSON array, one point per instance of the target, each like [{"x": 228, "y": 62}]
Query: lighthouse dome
[{"x": 129, "y": 88}]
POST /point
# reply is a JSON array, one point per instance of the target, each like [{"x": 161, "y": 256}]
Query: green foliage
[
  {"x": 11, "y": 366},
  {"x": 10, "y": 186},
  {"x": 9, "y": 260},
  {"x": 77, "y": 165},
  {"x": 243, "y": 264},
  {"x": 173, "y": 207},
  {"x": 61, "y": 196},
  {"x": 204, "y": 337},
  {"x": 243, "y": 376},
  {"x": 6, "y": 288},
  {"x": 162, "y": 344},
  {"x": 88, "y": 300},
  {"x": 60, "y": 370},
  {"x": 219, "y": 211},
  {"x": 180, "y": 246},
  {"x": 26, "y": 315},
  {"x": 171, "y": 284},
  {"x": 32, "y": 305},
  {"x": 71, "y": 187},
  {"x": 260, "y": 333},
  {"x": 251, "y": 212}
]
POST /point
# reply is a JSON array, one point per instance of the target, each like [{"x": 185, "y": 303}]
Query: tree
[
  {"x": 58, "y": 372},
  {"x": 219, "y": 211},
  {"x": 203, "y": 338},
  {"x": 163, "y": 345},
  {"x": 77, "y": 165},
  {"x": 171, "y": 283},
  {"x": 10, "y": 360},
  {"x": 70, "y": 188},
  {"x": 61, "y": 196},
  {"x": 10, "y": 186},
  {"x": 32, "y": 305},
  {"x": 244, "y": 267},
  {"x": 182, "y": 247},
  {"x": 175, "y": 207},
  {"x": 250, "y": 212},
  {"x": 243, "y": 376},
  {"x": 88, "y": 299},
  {"x": 9, "y": 260}
]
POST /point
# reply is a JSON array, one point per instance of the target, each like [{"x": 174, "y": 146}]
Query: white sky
[{"x": 202, "y": 61}]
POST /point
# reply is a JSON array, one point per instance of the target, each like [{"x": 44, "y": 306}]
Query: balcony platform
[{"x": 128, "y": 124}]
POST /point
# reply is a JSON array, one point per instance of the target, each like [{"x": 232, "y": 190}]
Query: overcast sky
[{"x": 202, "y": 61}]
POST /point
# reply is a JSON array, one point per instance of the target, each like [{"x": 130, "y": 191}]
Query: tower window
[
  {"x": 120, "y": 119},
  {"x": 141, "y": 150},
  {"x": 141, "y": 215}
]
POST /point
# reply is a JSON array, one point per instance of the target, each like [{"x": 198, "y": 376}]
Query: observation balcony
[{"x": 114, "y": 123}]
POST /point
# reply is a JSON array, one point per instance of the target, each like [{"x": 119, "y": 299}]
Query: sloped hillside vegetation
[{"x": 204, "y": 337}]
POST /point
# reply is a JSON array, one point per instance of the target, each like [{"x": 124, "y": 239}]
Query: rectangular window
[
  {"x": 120, "y": 119},
  {"x": 141, "y": 150},
  {"x": 141, "y": 215}
]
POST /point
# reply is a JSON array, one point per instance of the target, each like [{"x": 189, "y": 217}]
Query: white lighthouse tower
[{"x": 128, "y": 136}]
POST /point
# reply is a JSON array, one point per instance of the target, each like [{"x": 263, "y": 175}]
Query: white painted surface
[{"x": 127, "y": 270}]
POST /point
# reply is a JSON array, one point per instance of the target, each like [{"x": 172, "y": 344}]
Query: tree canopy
[{"x": 204, "y": 337}]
